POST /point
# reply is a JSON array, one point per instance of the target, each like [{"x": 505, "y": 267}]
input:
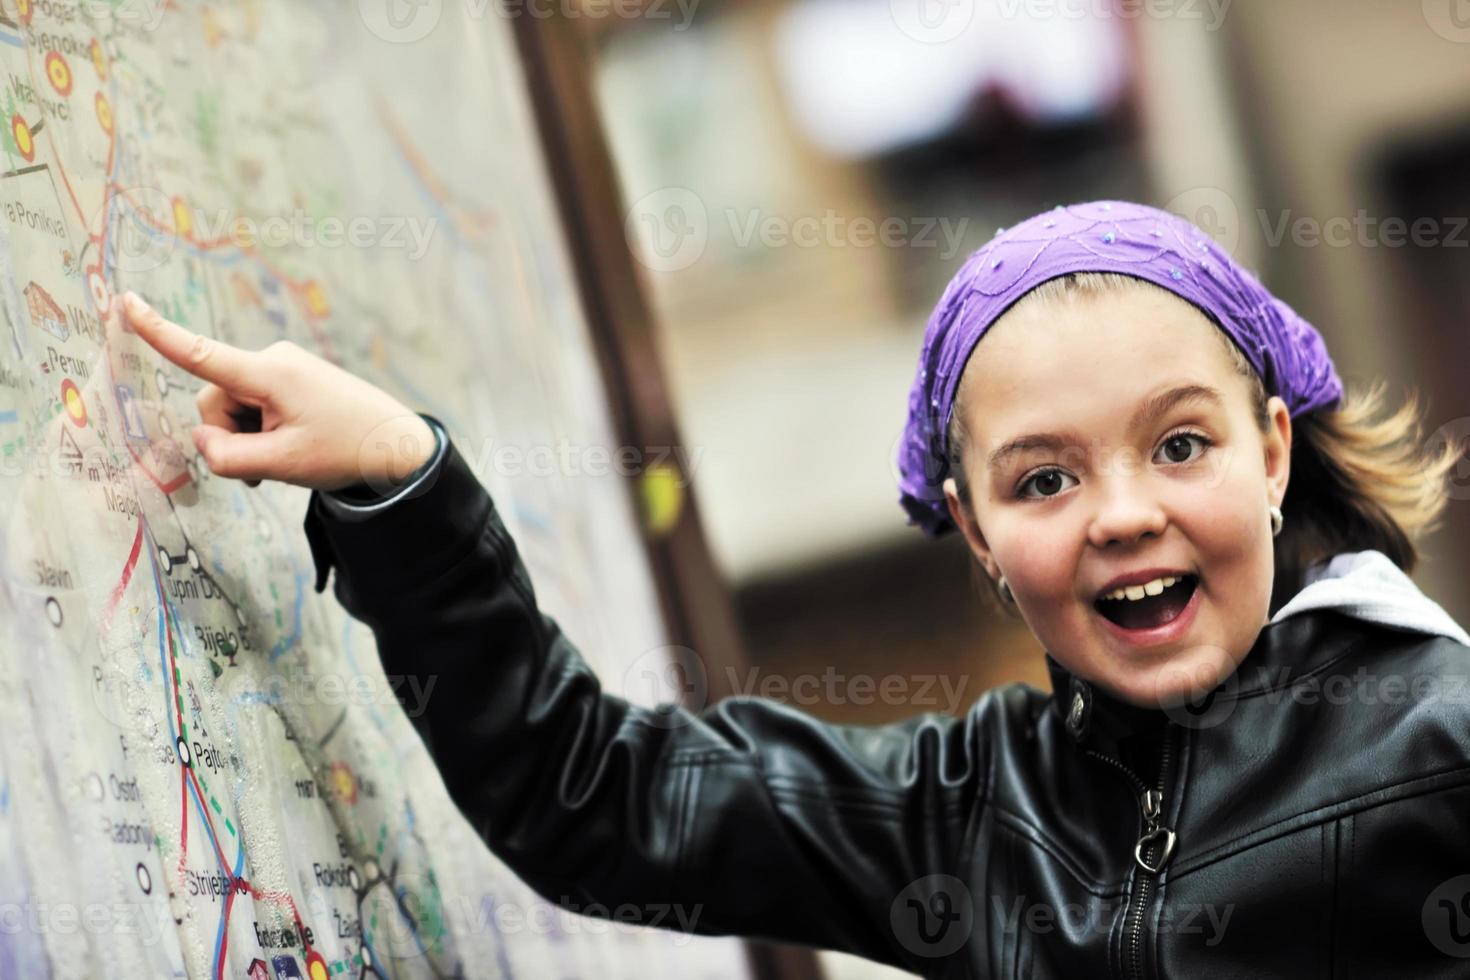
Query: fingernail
[{"x": 135, "y": 302}]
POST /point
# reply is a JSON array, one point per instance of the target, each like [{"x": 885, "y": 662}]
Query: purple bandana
[{"x": 1100, "y": 236}]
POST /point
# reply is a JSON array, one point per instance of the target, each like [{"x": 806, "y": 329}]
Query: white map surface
[{"x": 203, "y": 770}]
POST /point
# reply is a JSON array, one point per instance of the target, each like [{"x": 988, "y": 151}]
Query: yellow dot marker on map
[
  {"x": 316, "y": 966},
  {"x": 316, "y": 300},
  {"x": 71, "y": 400},
  {"x": 344, "y": 784},
  {"x": 20, "y": 130},
  {"x": 183, "y": 219},
  {"x": 99, "y": 59},
  {"x": 25, "y": 9},
  {"x": 104, "y": 113},
  {"x": 59, "y": 72}
]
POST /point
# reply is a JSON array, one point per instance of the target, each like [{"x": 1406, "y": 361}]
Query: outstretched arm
[{"x": 750, "y": 818}]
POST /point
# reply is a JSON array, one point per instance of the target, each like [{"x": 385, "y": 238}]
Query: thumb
[{"x": 248, "y": 456}]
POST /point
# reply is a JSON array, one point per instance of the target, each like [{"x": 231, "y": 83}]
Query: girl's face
[{"x": 1155, "y": 464}]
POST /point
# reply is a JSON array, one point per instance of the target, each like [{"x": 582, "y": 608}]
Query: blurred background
[{"x": 802, "y": 177}]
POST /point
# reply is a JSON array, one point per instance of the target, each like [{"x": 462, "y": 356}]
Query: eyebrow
[{"x": 1147, "y": 413}]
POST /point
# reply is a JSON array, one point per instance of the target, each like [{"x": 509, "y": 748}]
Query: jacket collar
[
  {"x": 1362, "y": 585},
  {"x": 1367, "y": 585}
]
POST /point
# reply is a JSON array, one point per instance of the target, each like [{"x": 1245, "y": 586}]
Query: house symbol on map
[{"x": 45, "y": 312}]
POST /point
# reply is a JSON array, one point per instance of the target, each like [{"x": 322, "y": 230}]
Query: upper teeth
[{"x": 1136, "y": 592}]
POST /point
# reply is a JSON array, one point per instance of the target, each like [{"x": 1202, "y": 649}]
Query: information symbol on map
[
  {"x": 69, "y": 454},
  {"x": 286, "y": 968},
  {"x": 132, "y": 416}
]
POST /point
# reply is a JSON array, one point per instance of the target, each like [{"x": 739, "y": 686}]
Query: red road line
[
  {"x": 224, "y": 941},
  {"x": 183, "y": 822},
  {"x": 127, "y": 574},
  {"x": 298, "y": 287}
]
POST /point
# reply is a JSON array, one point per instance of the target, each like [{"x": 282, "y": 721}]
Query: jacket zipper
[{"x": 1145, "y": 851}]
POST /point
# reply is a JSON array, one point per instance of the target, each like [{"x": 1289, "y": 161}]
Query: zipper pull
[{"x": 1153, "y": 807}]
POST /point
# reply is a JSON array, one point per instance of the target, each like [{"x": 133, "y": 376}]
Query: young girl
[{"x": 1255, "y": 758}]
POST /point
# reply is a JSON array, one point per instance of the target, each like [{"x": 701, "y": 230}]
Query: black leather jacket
[{"x": 1292, "y": 834}]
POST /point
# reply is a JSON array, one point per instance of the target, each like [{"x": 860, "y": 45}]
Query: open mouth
[{"x": 1150, "y": 611}]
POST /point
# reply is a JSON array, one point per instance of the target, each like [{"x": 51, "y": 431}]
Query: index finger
[{"x": 204, "y": 357}]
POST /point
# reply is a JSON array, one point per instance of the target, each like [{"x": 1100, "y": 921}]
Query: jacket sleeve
[{"x": 749, "y": 818}]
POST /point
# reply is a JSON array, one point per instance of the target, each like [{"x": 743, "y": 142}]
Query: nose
[{"x": 1126, "y": 513}]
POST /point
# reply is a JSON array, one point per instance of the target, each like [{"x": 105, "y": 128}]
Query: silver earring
[
  {"x": 1277, "y": 519},
  {"x": 1005, "y": 590}
]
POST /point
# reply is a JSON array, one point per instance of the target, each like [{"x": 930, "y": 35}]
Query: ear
[
  {"x": 968, "y": 527},
  {"x": 1278, "y": 448}
]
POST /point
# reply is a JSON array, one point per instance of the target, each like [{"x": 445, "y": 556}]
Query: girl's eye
[
  {"x": 1047, "y": 479},
  {"x": 1179, "y": 437}
]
